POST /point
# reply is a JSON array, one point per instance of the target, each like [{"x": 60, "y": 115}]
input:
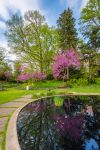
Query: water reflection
[{"x": 65, "y": 123}]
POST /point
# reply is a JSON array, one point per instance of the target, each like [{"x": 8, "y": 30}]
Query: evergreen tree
[{"x": 66, "y": 29}]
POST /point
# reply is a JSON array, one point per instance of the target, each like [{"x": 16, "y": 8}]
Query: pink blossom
[
  {"x": 24, "y": 77},
  {"x": 38, "y": 76}
]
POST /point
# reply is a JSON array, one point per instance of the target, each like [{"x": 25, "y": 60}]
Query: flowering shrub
[
  {"x": 63, "y": 61},
  {"x": 38, "y": 76},
  {"x": 24, "y": 77}
]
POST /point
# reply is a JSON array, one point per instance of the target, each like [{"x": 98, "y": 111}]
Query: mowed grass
[
  {"x": 11, "y": 93},
  {"x": 86, "y": 89}
]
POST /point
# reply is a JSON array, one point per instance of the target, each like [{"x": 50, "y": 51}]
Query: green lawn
[
  {"x": 13, "y": 93},
  {"x": 86, "y": 89}
]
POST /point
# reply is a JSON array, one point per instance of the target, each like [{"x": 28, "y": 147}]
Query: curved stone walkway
[{"x": 7, "y": 109}]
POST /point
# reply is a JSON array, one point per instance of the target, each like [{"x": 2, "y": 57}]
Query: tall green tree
[
  {"x": 90, "y": 15},
  {"x": 67, "y": 31},
  {"x": 90, "y": 28},
  {"x": 90, "y": 24},
  {"x": 32, "y": 39}
]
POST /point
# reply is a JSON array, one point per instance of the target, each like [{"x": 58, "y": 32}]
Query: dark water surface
[{"x": 60, "y": 123}]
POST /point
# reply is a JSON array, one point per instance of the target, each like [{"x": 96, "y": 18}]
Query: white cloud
[
  {"x": 19, "y": 5},
  {"x": 8, "y": 54},
  {"x": 3, "y": 9},
  {"x": 2, "y": 25},
  {"x": 15, "y": 5}
]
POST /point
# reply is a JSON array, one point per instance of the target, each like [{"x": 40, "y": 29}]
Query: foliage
[
  {"x": 90, "y": 28},
  {"x": 90, "y": 15},
  {"x": 76, "y": 73},
  {"x": 1, "y": 55},
  {"x": 90, "y": 24},
  {"x": 97, "y": 80},
  {"x": 66, "y": 29},
  {"x": 50, "y": 76},
  {"x": 64, "y": 61},
  {"x": 4, "y": 67},
  {"x": 82, "y": 82},
  {"x": 90, "y": 61}
]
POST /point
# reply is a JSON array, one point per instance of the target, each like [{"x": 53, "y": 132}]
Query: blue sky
[{"x": 49, "y": 8}]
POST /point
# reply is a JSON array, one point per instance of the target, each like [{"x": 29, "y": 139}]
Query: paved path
[{"x": 7, "y": 109}]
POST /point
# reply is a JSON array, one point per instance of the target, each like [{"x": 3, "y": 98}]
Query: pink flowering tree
[
  {"x": 38, "y": 76},
  {"x": 64, "y": 61},
  {"x": 23, "y": 77}
]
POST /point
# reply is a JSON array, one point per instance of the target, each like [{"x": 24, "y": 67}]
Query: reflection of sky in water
[
  {"x": 91, "y": 144},
  {"x": 89, "y": 111},
  {"x": 68, "y": 123}
]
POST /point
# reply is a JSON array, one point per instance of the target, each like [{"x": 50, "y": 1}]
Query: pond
[{"x": 60, "y": 123}]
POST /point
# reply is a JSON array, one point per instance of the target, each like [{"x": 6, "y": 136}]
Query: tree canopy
[{"x": 31, "y": 38}]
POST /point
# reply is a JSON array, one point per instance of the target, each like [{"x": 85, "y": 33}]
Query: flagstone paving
[
  {"x": 11, "y": 105},
  {"x": 6, "y": 110},
  {"x": 3, "y": 121}
]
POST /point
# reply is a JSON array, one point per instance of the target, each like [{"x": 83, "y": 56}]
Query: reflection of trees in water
[
  {"x": 70, "y": 129},
  {"x": 38, "y": 131},
  {"x": 43, "y": 126},
  {"x": 69, "y": 124}
]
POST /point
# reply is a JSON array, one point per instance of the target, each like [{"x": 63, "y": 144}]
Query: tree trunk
[
  {"x": 67, "y": 73},
  {"x": 41, "y": 66}
]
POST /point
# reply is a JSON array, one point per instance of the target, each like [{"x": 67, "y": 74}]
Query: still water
[{"x": 60, "y": 123}]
